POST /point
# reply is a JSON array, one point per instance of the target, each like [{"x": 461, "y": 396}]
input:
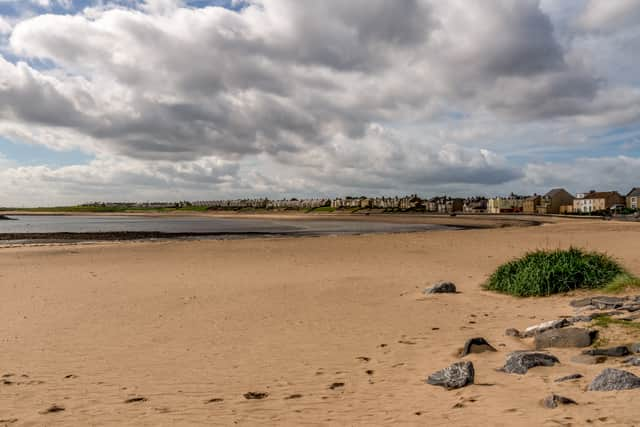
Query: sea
[{"x": 217, "y": 227}]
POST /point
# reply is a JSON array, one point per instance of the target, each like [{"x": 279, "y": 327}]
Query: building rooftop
[
  {"x": 635, "y": 192},
  {"x": 600, "y": 194}
]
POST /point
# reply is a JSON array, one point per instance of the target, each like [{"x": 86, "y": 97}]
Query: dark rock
[
  {"x": 633, "y": 361},
  {"x": 581, "y": 318},
  {"x": 441, "y": 288},
  {"x": 631, "y": 308},
  {"x": 614, "y": 379},
  {"x": 476, "y": 345},
  {"x": 588, "y": 360},
  {"x": 569, "y": 378},
  {"x": 255, "y": 395},
  {"x": 512, "y": 332},
  {"x": 600, "y": 302},
  {"x": 579, "y": 303},
  {"x": 336, "y": 385},
  {"x": 568, "y": 337},
  {"x": 604, "y": 302},
  {"x": 553, "y": 401},
  {"x": 611, "y": 352},
  {"x": 519, "y": 362},
  {"x": 545, "y": 326},
  {"x": 215, "y": 400},
  {"x": 457, "y": 375}
]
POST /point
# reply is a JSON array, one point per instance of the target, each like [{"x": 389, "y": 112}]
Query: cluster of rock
[{"x": 559, "y": 333}]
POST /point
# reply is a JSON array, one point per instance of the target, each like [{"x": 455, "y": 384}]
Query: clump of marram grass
[{"x": 542, "y": 273}]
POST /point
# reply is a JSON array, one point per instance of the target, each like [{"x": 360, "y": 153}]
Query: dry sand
[{"x": 87, "y": 327}]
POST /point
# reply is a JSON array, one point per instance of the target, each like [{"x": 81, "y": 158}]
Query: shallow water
[{"x": 102, "y": 224}]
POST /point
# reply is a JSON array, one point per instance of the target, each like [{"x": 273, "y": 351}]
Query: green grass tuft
[
  {"x": 606, "y": 321},
  {"x": 622, "y": 282},
  {"x": 543, "y": 273}
]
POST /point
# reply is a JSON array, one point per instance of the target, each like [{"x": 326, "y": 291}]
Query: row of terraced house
[
  {"x": 560, "y": 201},
  {"x": 556, "y": 201}
]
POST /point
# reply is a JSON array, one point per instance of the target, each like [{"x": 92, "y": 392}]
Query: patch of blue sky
[
  {"x": 14, "y": 8},
  {"x": 227, "y": 4},
  {"x": 39, "y": 155}
]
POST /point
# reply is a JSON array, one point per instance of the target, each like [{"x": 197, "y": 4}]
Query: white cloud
[
  {"x": 331, "y": 94},
  {"x": 609, "y": 15}
]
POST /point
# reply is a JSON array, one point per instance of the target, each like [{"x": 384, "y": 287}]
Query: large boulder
[
  {"x": 519, "y": 362},
  {"x": 614, "y": 379},
  {"x": 455, "y": 376},
  {"x": 568, "y": 337},
  {"x": 476, "y": 345},
  {"x": 545, "y": 326},
  {"x": 441, "y": 288}
]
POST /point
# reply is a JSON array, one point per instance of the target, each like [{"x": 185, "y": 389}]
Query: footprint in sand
[
  {"x": 136, "y": 399},
  {"x": 53, "y": 409},
  {"x": 255, "y": 395},
  {"x": 293, "y": 396}
]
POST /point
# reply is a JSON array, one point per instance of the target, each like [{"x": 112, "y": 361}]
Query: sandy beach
[{"x": 336, "y": 330}]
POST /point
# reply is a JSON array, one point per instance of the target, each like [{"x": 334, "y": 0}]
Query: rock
[
  {"x": 612, "y": 352},
  {"x": 562, "y": 338},
  {"x": 455, "y": 376},
  {"x": 604, "y": 302},
  {"x": 631, "y": 308},
  {"x": 476, "y": 345},
  {"x": 599, "y": 302},
  {"x": 633, "y": 361},
  {"x": 578, "y": 303},
  {"x": 634, "y": 348},
  {"x": 519, "y": 362},
  {"x": 541, "y": 327},
  {"x": 441, "y": 288},
  {"x": 581, "y": 318},
  {"x": 512, "y": 332},
  {"x": 614, "y": 379},
  {"x": 588, "y": 360},
  {"x": 553, "y": 401},
  {"x": 568, "y": 378}
]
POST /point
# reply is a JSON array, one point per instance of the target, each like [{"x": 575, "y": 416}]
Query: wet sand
[{"x": 335, "y": 330}]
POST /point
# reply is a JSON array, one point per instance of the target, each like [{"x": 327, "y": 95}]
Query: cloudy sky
[{"x": 202, "y": 99}]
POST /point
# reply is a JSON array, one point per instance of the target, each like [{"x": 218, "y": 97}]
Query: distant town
[{"x": 555, "y": 201}]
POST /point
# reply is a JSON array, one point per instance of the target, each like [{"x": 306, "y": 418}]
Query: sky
[{"x": 105, "y": 100}]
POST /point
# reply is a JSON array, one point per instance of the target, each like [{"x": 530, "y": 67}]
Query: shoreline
[{"x": 438, "y": 223}]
